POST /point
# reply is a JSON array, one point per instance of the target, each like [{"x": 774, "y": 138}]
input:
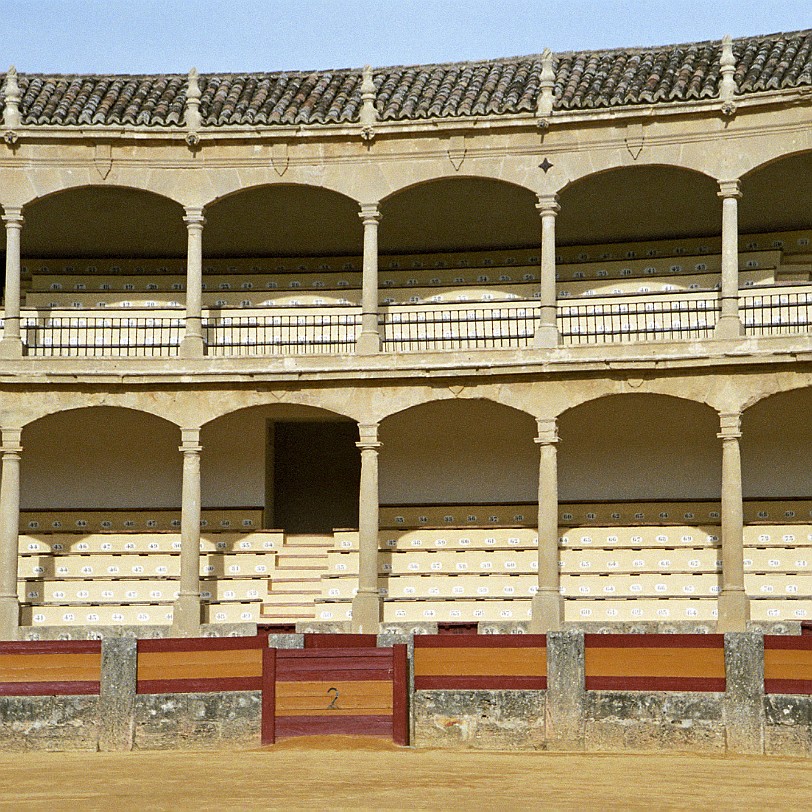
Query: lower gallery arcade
[{"x": 341, "y": 510}]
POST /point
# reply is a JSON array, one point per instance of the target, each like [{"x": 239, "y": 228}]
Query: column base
[
  {"x": 546, "y": 613},
  {"x": 733, "y": 611},
  {"x": 728, "y": 327},
  {"x": 546, "y": 337},
  {"x": 368, "y": 343},
  {"x": 186, "y": 616},
  {"x": 9, "y": 618},
  {"x": 11, "y": 348},
  {"x": 366, "y": 613},
  {"x": 191, "y": 347}
]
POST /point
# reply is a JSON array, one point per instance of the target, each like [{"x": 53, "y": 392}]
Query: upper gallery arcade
[{"x": 545, "y": 294}]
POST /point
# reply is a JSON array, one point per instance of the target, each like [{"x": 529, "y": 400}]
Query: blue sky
[{"x": 153, "y": 36}]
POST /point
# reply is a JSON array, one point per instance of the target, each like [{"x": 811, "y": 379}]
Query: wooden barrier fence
[{"x": 53, "y": 668}]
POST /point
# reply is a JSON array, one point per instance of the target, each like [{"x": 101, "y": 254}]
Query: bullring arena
[{"x": 454, "y": 407}]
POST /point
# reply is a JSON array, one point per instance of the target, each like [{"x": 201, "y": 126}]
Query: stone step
[
  {"x": 291, "y": 598},
  {"x": 309, "y": 541}
]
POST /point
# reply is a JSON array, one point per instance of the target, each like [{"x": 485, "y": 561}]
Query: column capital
[
  {"x": 548, "y": 204},
  {"x": 13, "y": 216},
  {"x": 368, "y": 434},
  {"x": 194, "y": 216},
  {"x": 548, "y": 431},
  {"x": 729, "y": 425},
  {"x": 11, "y": 440},
  {"x": 730, "y": 188},
  {"x": 190, "y": 441},
  {"x": 370, "y": 213}
]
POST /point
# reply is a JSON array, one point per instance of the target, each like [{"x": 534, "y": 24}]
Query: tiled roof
[{"x": 587, "y": 80}]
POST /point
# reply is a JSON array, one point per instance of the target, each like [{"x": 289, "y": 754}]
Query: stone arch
[
  {"x": 306, "y": 218},
  {"x": 678, "y": 191},
  {"x": 458, "y": 451},
  {"x": 639, "y": 446},
  {"x": 478, "y": 212}
]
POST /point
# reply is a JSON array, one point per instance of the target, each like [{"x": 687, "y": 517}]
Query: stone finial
[
  {"x": 11, "y": 91},
  {"x": 727, "y": 85},
  {"x": 544, "y": 105},
  {"x": 369, "y": 115},
  {"x": 192, "y": 115}
]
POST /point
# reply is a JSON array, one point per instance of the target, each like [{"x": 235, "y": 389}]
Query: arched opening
[
  {"x": 458, "y": 452},
  {"x": 639, "y": 447},
  {"x": 639, "y": 513},
  {"x": 777, "y": 196},
  {"x": 100, "y": 458},
  {"x": 297, "y": 464},
  {"x": 459, "y": 214},
  {"x": 283, "y": 221},
  {"x": 776, "y": 444},
  {"x": 638, "y": 203}
]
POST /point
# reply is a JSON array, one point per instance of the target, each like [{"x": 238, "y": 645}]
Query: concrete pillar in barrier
[
  {"x": 744, "y": 698},
  {"x": 566, "y": 696},
  {"x": 117, "y": 696}
]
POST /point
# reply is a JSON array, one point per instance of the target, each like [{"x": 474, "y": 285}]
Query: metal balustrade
[
  {"x": 326, "y": 333},
  {"x": 776, "y": 314},
  {"x": 81, "y": 336},
  {"x": 627, "y": 320},
  {"x": 429, "y": 328},
  {"x": 413, "y": 328}
]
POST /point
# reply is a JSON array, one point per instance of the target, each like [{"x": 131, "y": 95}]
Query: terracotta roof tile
[{"x": 585, "y": 80}]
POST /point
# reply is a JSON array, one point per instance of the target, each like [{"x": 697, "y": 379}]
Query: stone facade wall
[{"x": 49, "y": 722}]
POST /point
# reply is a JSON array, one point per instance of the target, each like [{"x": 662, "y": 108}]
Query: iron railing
[
  {"x": 776, "y": 314},
  {"x": 425, "y": 328},
  {"x": 626, "y": 321},
  {"x": 80, "y": 336},
  {"x": 332, "y": 333}
]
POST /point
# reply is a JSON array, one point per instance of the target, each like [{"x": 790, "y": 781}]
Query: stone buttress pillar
[
  {"x": 547, "y": 332},
  {"x": 192, "y": 345},
  {"x": 366, "y": 606},
  {"x": 11, "y": 344},
  {"x": 729, "y": 324},
  {"x": 547, "y": 606},
  {"x": 186, "y": 613},
  {"x": 369, "y": 340},
  {"x": 734, "y": 606},
  {"x": 9, "y": 533}
]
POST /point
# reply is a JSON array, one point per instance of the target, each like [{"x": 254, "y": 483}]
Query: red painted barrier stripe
[
  {"x": 400, "y": 690},
  {"x": 51, "y": 647},
  {"x": 354, "y": 653},
  {"x": 781, "y": 641},
  {"x": 315, "y": 674},
  {"x": 507, "y": 683},
  {"x": 49, "y": 688},
  {"x": 788, "y": 686},
  {"x": 268, "y": 734},
  {"x": 481, "y": 641},
  {"x": 203, "y": 644},
  {"x": 198, "y": 686},
  {"x": 654, "y": 640},
  {"x": 289, "y": 726},
  {"x": 322, "y": 641},
  {"x": 705, "y": 684}
]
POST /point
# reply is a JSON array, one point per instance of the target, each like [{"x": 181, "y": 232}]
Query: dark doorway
[{"x": 316, "y": 471}]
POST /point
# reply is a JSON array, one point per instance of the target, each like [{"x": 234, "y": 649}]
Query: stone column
[
  {"x": 547, "y": 332},
  {"x": 186, "y": 613},
  {"x": 547, "y": 606},
  {"x": 192, "y": 344},
  {"x": 729, "y": 324},
  {"x": 11, "y": 344},
  {"x": 734, "y": 606},
  {"x": 369, "y": 341},
  {"x": 9, "y": 533},
  {"x": 366, "y": 606}
]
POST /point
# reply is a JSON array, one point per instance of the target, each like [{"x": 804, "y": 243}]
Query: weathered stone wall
[
  {"x": 486, "y": 720},
  {"x": 788, "y": 728},
  {"x": 637, "y": 720},
  {"x": 49, "y": 722},
  {"x": 197, "y": 721}
]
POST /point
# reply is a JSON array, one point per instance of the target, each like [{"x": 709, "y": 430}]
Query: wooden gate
[{"x": 320, "y": 691}]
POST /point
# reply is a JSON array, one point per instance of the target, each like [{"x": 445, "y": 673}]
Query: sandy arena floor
[{"x": 338, "y": 774}]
